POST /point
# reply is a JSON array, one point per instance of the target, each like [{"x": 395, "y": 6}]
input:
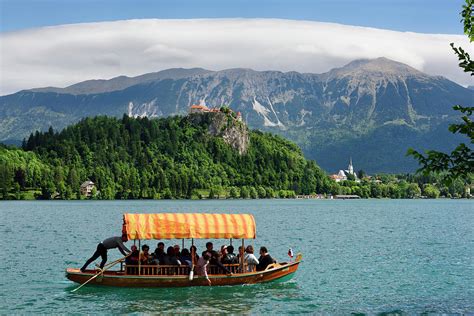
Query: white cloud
[{"x": 66, "y": 54}]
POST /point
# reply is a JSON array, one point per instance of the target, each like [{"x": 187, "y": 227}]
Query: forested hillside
[
  {"x": 156, "y": 158},
  {"x": 183, "y": 157}
]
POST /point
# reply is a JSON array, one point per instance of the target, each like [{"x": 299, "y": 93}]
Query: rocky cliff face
[{"x": 223, "y": 125}]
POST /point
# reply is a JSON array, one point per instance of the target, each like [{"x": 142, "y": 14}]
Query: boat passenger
[
  {"x": 165, "y": 259},
  {"x": 196, "y": 256},
  {"x": 172, "y": 257},
  {"x": 241, "y": 252},
  {"x": 185, "y": 257},
  {"x": 101, "y": 251},
  {"x": 265, "y": 259},
  {"x": 160, "y": 249},
  {"x": 202, "y": 265},
  {"x": 177, "y": 253},
  {"x": 223, "y": 252},
  {"x": 215, "y": 258},
  {"x": 230, "y": 257},
  {"x": 134, "y": 256},
  {"x": 145, "y": 257},
  {"x": 250, "y": 259}
]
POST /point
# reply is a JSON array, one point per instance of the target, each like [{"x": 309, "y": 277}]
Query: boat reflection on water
[{"x": 229, "y": 299}]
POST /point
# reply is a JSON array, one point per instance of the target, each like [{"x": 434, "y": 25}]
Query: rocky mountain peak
[
  {"x": 379, "y": 67},
  {"x": 97, "y": 86}
]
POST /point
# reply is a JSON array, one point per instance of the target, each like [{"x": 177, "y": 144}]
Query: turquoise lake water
[{"x": 365, "y": 256}]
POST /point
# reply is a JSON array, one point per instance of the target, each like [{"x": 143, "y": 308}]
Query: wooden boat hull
[{"x": 115, "y": 278}]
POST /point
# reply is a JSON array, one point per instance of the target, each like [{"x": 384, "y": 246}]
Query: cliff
[{"x": 219, "y": 124}]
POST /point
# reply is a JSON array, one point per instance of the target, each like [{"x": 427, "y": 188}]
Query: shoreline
[{"x": 236, "y": 199}]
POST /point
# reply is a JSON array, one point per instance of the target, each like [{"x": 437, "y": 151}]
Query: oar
[
  {"x": 191, "y": 273},
  {"x": 101, "y": 272}
]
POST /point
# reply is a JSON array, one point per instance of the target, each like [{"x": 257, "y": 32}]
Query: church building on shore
[{"x": 342, "y": 175}]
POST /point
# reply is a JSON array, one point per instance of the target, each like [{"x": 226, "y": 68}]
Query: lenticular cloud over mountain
[{"x": 66, "y": 54}]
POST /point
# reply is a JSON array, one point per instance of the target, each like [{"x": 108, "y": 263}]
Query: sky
[
  {"x": 422, "y": 16},
  {"x": 58, "y": 43}
]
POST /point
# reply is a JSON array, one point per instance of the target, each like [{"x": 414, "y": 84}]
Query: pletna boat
[{"x": 191, "y": 226}]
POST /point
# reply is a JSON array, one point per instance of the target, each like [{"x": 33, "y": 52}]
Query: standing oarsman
[{"x": 101, "y": 251}]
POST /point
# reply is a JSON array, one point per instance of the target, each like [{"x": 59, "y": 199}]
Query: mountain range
[{"x": 370, "y": 110}]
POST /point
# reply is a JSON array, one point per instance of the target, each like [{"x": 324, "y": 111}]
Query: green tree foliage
[
  {"x": 460, "y": 162},
  {"x": 174, "y": 158},
  {"x": 168, "y": 158},
  {"x": 233, "y": 193},
  {"x": 5, "y": 179},
  {"x": 431, "y": 191}
]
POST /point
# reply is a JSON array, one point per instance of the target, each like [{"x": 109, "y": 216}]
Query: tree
[
  {"x": 167, "y": 194},
  {"x": 20, "y": 177},
  {"x": 351, "y": 177},
  {"x": 262, "y": 193},
  {"x": 244, "y": 193},
  {"x": 431, "y": 191},
  {"x": 361, "y": 174},
  {"x": 5, "y": 179},
  {"x": 253, "y": 192},
  {"x": 413, "y": 191},
  {"x": 460, "y": 162},
  {"x": 234, "y": 193},
  {"x": 212, "y": 193}
]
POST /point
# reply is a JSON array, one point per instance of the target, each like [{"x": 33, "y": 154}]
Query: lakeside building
[
  {"x": 342, "y": 175},
  {"x": 310, "y": 196},
  {"x": 87, "y": 187},
  {"x": 346, "y": 197}
]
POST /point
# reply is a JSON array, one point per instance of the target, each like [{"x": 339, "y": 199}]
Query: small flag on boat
[{"x": 290, "y": 253}]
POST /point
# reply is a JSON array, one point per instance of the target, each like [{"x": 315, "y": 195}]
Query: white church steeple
[{"x": 350, "y": 168}]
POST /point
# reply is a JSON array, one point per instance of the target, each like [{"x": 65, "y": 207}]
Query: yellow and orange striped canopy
[{"x": 188, "y": 225}]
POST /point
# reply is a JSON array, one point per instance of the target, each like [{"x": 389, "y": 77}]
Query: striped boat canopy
[{"x": 188, "y": 225}]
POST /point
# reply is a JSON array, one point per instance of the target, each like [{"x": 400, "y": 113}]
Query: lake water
[{"x": 365, "y": 256}]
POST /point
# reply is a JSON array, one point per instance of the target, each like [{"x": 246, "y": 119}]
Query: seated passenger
[
  {"x": 172, "y": 257},
  {"x": 160, "y": 250},
  {"x": 265, "y": 259},
  {"x": 250, "y": 259},
  {"x": 241, "y": 253},
  {"x": 212, "y": 252},
  {"x": 202, "y": 265},
  {"x": 215, "y": 258},
  {"x": 185, "y": 257},
  {"x": 196, "y": 256},
  {"x": 132, "y": 259},
  {"x": 145, "y": 257},
  {"x": 160, "y": 256},
  {"x": 223, "y": 253},
  {"x": 177, "y": 253},
  {"x": 165, "y": 259},
  {"x": 230, "y": 257}
]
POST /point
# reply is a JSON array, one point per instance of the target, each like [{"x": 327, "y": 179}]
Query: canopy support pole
[
  {"x": 139, "y": 261},
  {"x": 242, "y": 257},
  {"x": 182, "y": 244},
  {"x": 193, "y": 253},
  {"x": 230, "y": 241}
]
